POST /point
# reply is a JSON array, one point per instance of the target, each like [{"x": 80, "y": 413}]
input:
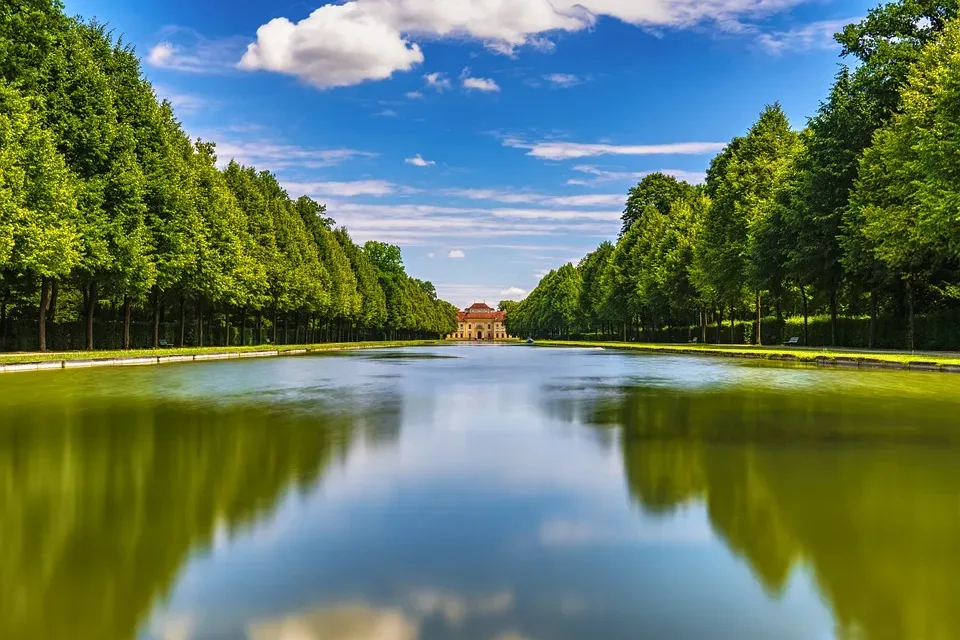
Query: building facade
[{"x": 480, "y": 322}]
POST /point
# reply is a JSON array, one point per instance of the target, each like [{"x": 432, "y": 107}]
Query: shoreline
[
  {"x": 37, "y": 361},
  {"x": 819, "y": 357}
]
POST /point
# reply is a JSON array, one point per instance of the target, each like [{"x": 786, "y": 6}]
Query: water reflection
[
  {"x": 102, "y": 504},
  {"x": 867, "y": 496},
  {"x": 502, "y": 494}
]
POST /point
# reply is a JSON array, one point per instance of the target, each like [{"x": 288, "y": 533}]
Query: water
[{"x": 479, "y": 493}]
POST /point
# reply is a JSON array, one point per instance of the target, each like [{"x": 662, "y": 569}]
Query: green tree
[{"x": 38, "y": 232}]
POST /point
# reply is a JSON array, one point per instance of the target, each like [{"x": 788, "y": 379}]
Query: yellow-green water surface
[{"x": 479, "y": 493}]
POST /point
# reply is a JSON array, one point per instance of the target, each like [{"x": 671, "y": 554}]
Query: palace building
[{"x": 480, "y": 322}]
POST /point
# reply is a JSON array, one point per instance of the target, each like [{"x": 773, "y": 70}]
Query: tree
[
  {"x": 656, "y": 190},
  {"x": 907, "y": 193},
  {"x": 38, "y": 206},
  {"x": 743, "y": 183}
]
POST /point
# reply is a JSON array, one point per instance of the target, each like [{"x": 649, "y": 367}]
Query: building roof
[
  {"x": 479, "y": 306},
  {"x": 465, "y": 316}
]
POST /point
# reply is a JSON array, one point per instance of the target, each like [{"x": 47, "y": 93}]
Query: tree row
[
  {"x": 847, "y": 231},
  {"x": 110, "y": 214}
]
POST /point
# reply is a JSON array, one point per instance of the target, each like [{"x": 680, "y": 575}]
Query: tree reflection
[
  {"x": 865, "y": 493},
  {"x": 101, "y": 506}
]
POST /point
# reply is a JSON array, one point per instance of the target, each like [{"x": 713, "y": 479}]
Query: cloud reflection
[{"x": 344, "y": 622}]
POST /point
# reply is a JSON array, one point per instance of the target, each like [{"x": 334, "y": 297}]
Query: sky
[{"x": 492, "y": 140}]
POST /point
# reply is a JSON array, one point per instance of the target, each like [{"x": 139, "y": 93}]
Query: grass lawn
[
  {"x": 799, "y": 354},
  {"x": 38, "y": 356}
]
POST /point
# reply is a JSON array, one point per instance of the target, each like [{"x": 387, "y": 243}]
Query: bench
[
  {"x": 694, "y": 340},
  {"x": 792, "y": 342},
  {"x": 163, "y": 344}
]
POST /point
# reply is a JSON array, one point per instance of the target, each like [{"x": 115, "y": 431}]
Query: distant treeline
[
  {"x": 857, "y": 217},
  {"x": 118, "y": 230}
]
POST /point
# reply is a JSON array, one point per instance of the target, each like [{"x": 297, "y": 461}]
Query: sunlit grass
[
  {"x": 17, "y": 358},
  {"x": 800, "y": 354}
]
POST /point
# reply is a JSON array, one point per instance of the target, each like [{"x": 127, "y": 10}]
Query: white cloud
[
  {"x": 603, "y": 175},
  {"x": 184, "y": 49},
  {"x": 481, "y": 84},
  {"x": 562, "y": 80},
  {"x": 808, "y": 37},
  {"x": 561, "y": 150},
  {"x": 343, "y": 189},
  {"x": 514, "y": 293},
  {"x": 335, "y": 46},
  {"x": 275, "y": 156},
  {"x": 431, "y": 255},
  {"x": 387, "y": 113},
  {"x": 526, "y": 197},
  {"x": 183, "y": 103},
  {"x": 418, "y": 161},
  {"x": 437, "y": 81},
  {"x": 341, "y": 622},
  {"x": 426, "y": 224},
  {"x": 414, "y": 95},
  {"x": 349, "y": 43},
  {"x": 456, "y": 254}
]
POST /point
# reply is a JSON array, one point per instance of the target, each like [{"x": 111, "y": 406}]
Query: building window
[{"x": 469, "y": 326}]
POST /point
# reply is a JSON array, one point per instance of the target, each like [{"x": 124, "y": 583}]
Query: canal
[{"x": 479, "y": 493}]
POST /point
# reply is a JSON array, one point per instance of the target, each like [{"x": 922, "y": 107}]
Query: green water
[{"x": 490, "y": 493}]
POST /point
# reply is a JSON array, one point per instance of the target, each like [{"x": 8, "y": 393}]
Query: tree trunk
[
  {"x": 733, "y": 319},
  {"x": 126, "y": 322},
  {"x": 873, "y": 319},
  {"x": 757, "y": 340},
  {"x": 54, "y": 298},
  {"x": 703, "y": 325},
  {"x": 778, "y": 306},
  {"x": 156, "y": 317},
  {"x": 243, "y": 327},
  {"x": 719, "y": 323},
  {"x": 286, "y": 328},
  {"x": 806, "y": 317},
  {"x": 911, "y": 327},
  {"x": 259, "y": 326},
  {"x": 275, "y": 323},
  {"x": 833, "y": 316},
  {"x": 226, "y": 328},
  {"x": 183, "y": 320},
  {"x": 91, "y": 307},
  {"x": 3, "y": 323},
  {"x": 199, "y": 321},
  {"x": 44, "y": 305}
]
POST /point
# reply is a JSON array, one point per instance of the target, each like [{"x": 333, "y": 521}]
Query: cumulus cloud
[
  {"x": 561, "y": 150},
  {"x": 481, "y": 84},
  {"x": 456, "y": 254},
  {"x": 349, "y": 43},
  {"x": 418, "y": 161},
  {"x": 808, "y": 37},
  {"x": 335, "y": 46},
  {"x": 414, "y": 95},
  {"x": 514, "y": 293}
]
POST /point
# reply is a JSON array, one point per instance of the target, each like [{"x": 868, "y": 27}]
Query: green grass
[
  {"x": 37, "y": 356},
  {"x": 801, "y": 354}
]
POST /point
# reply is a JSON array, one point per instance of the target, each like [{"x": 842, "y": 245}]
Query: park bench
[
  {"x": 163, "y": 344},
  {"x": 792, "y": 342},
  {"x": 694, "y": 340}
]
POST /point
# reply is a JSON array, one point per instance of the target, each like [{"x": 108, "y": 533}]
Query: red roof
[
  {"x": 466, "y": 316},
  {"x": 479, "y": 306}
]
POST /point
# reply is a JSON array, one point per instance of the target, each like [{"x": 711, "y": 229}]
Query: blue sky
[{"x": 492, "y": 140}]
